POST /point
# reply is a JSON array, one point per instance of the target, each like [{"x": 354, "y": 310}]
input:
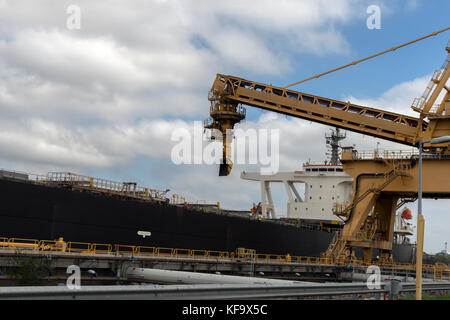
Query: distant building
[{"x": 444, "y": 253}]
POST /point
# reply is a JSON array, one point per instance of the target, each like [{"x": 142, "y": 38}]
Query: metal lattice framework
[
  {"x": 378, "y": 123},
  {"x": 379, "y": 196}
]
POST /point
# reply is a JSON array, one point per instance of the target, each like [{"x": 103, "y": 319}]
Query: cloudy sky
[{"x": 104, "y": 99}]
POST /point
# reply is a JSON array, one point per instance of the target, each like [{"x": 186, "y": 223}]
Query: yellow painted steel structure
[
  {"x": 380, "y": 183},
  {"x": 438, "y": 271}
]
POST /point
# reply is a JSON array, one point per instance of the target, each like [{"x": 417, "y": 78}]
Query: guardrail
[
  {"x": 75, "y": 180},
  {"x": 385, "y": 154},
  {"x": 438, "y": 272},
  {"x": 213, "y": 291}
]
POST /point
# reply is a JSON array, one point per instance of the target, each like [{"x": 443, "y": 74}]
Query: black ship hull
[{"x": 46, "y": 213}]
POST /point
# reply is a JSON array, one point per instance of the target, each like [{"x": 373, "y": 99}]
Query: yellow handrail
[
  {"x": 100, "y": 248},
  {"x": 199, "y": 253},
  {"x": 3, "y": 242},
  {"x": 182, "y": 252},
  {"x": 142, "y": 251},
  {"x": 438, "y": 271},
  {"x": 82, "y": 247},
  {"x": 23, "y": 243},
  {"x": 165, "y": 252},
  {"x": 218, "y": 254}
]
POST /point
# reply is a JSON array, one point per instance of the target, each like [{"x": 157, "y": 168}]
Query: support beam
[
  {"x": 271, "y": 207},
  {"x": 288, "y": 191},
  {"x": 299, "y": 198}
]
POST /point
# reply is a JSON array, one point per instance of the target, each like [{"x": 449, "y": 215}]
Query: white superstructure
[{"x": 324, "y": 185}]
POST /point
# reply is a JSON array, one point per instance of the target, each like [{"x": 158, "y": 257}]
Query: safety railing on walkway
[
  {"x": 130, "y": 189},
  {"x": 103, "y": 185},
  {"x": 385, "y": 154},
  {"x": 437, "y": 271}
]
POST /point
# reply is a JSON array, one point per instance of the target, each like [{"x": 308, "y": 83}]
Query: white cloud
[
  {"x": 84, "y": 147},
  {"x": 39, "y": 141},
  {"x": 131, "y": 60},
  {"x": 397, "y": 99},
  {"x": 102, "y": 96},
  {"x": 131, "y": 64}
]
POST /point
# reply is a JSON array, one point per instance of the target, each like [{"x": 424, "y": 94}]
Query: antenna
[{"x": 332, "y": 141}]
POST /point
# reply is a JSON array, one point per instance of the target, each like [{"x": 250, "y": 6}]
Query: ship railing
[
  {"x": 384, "y": 154},
  {"x": 98, "y": 184},
  {"x": 178, "y": 199},
  {"x": 306, "y": 226},
  {"x": 318, "y": 163},
  {"x": 38, "y": 178}
]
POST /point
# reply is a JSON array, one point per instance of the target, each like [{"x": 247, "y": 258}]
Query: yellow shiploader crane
[{"x": 382, "y": 182}]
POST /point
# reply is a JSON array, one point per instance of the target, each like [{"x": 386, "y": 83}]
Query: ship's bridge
[{"x": 321, "y": 168}]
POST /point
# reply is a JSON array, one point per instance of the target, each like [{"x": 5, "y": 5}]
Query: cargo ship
[{"x": 86, "y": 209}]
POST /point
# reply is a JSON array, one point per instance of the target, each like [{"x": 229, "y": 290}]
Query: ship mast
[{"x": 332, "y": 141}]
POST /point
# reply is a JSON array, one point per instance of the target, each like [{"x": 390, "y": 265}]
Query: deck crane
[{"x": 382, "y": 182}]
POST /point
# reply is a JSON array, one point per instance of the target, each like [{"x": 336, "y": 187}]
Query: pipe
[{"x": 170, "y": 276}]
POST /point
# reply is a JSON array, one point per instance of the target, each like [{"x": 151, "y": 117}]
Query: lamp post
[{"x": 420, "y": 219}]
